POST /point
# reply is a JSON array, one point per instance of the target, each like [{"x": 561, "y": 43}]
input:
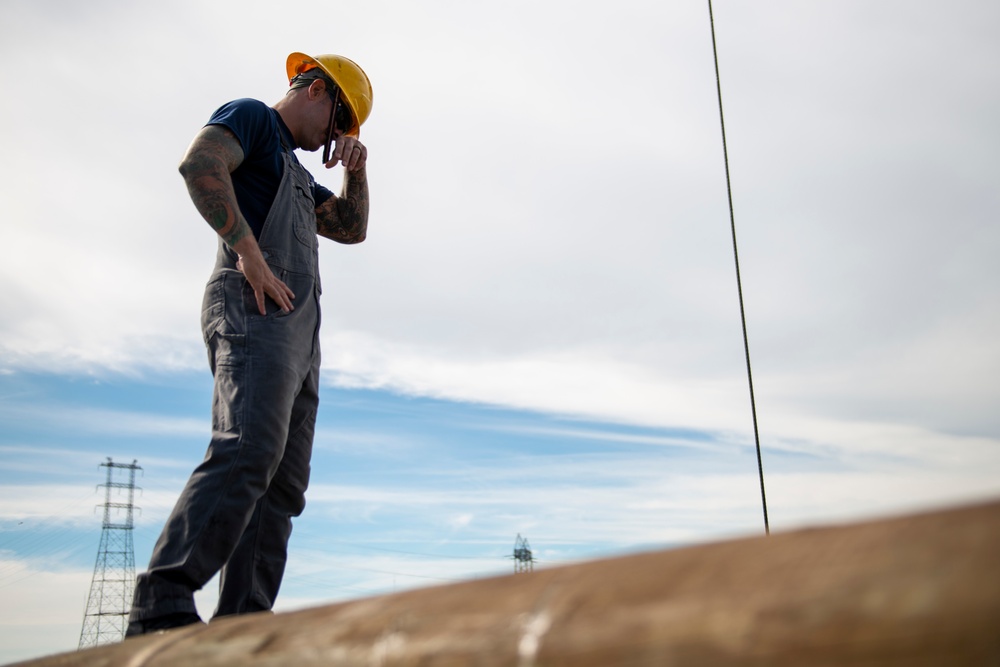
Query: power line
[
  {"x": 739, "y": 284},
  {"x": 415, "y": 553}
]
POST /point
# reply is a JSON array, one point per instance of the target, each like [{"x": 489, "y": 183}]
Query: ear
[{"x": 317, "y": 89}]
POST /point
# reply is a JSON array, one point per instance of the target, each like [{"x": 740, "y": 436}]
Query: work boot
[{"x": 167, "y": 622}]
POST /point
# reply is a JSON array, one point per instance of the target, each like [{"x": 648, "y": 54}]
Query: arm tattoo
[
  {"x": 206, "y": 169},
  {"x": 345, "y": 218}
]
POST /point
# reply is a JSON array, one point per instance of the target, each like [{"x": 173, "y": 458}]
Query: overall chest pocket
[{"x": 303, "y": 215}]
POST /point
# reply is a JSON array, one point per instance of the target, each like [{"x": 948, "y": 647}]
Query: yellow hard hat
[{"x": 355, "y": 88}]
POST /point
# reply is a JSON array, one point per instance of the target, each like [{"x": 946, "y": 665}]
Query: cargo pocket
[{"x": 222, "y": 311}]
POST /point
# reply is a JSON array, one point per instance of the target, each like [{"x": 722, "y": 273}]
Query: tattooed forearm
[
  {"x": 206, "y": 169},
  {"x": 345, "y": 218}
]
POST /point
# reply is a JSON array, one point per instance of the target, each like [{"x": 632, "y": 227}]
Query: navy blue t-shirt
[{"x": 259, "y": 129}]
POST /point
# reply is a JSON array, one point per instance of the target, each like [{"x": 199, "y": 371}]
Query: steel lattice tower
[
  {"x": 523, "y": 560},
  {"x": 111, "y": 589}
]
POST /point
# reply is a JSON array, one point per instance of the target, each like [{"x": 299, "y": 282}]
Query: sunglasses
[
  {"x": 341, "y": 114},
  {"x": 340, "y": 119}
]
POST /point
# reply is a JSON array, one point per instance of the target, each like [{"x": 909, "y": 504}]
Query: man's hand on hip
[{"x": 259, "y": 275}]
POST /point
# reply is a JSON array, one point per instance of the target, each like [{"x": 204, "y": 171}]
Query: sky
[{"x": 541, "y": 334}]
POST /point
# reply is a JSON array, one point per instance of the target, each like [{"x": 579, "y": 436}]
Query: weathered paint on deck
[{"x": 916, "y": 590}]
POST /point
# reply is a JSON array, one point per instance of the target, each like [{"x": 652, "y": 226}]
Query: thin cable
[{"x": 739, "y": 284}]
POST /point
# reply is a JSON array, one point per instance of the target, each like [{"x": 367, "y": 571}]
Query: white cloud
[
  {"x": 524, "y": 256},
  {"x": 116, "y": 422},
  {"x": 34, "y": 508},
  {"x": 48, "y": 613}
]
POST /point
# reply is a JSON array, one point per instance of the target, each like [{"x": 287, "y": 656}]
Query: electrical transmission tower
[
  {"x": 523, "y": 560},
  {"x": 111, "y": 589}
]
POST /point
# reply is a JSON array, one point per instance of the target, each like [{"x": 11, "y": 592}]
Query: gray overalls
[{"x": 235, "y": 512}]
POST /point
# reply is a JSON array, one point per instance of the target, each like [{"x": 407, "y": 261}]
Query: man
[{"x": 260, "y": 320}]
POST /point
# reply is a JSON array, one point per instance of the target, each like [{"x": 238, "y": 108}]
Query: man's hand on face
[{"x": 350, "y": 152}]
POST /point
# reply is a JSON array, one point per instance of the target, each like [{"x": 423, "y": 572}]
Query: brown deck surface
[{"x": 916, "y": 590}]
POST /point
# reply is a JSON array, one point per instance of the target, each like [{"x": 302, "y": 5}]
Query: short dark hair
[{"x": 306, "y": 78}]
